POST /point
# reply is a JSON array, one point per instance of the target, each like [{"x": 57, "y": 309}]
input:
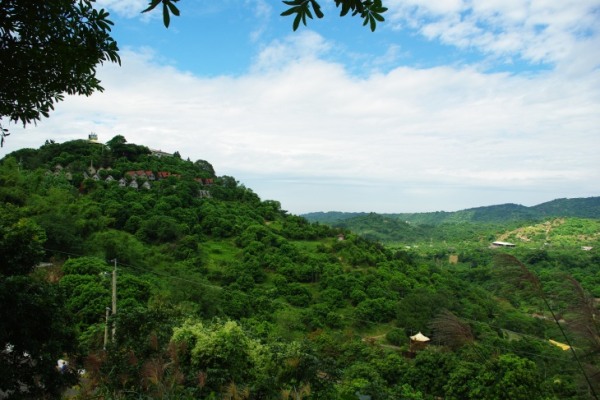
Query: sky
[{"x": 448, "y": 105}]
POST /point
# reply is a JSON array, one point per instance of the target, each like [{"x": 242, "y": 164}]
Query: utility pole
[
  {"x": 106, "y": 328},
  {"x": 114, "y": 298}
]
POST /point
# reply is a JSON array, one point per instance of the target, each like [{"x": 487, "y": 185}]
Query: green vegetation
[
  {"x": 563, "y": 223},
  {"x": 223, "y": 295},
  {"x": 504, "y": 213}
]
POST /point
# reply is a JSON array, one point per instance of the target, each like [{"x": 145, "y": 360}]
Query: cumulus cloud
[
  {"x": 303, "y": 46},
  {"x": 125, "y": 8},
  {"x": 303, "y": 129},
  {"x": 294, "y": 121},
  {"x": 537, "y": 31}
]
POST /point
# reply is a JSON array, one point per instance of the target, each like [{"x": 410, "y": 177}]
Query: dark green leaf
[
  {"x": 306, "y": 13},
  {"x": 152, "y": 5},
  {"x": 345, "y": 9},
  {"x": 289, "y": 11},
  {"x": 174, "y": 10},
  {"x": 317, "y": 8},
  {"x": 297, "y": 22},
  {"x": 166, "y": 16}
]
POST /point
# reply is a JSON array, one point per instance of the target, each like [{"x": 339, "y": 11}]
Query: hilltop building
[{"x": 160, "y": 153}]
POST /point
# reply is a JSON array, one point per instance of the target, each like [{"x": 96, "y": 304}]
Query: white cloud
[
  {"x": 535, "y": 30},
  {"x": 125, "y": 8},
  {"x": 305, "y": 45},
  {"x": 296, "y": 121}
]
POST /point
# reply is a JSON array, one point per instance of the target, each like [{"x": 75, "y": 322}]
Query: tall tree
[
  {"x": 47, "y": 49},
  {"x": 34, "y": 332}
]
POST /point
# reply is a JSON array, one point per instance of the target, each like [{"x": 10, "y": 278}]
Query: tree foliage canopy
[
  {"x": 369, "y": 10},
  {"x": 47, "y": 49}
]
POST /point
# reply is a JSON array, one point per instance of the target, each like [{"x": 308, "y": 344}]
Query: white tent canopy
[{"x": 419, "y": 337}]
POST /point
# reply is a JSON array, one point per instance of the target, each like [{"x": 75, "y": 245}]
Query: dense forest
[
  {"x": 565, "y": 223},
  {"x": 154, "y": 277}
]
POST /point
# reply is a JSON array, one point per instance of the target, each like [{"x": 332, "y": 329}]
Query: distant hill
[
  {"x": 479, "y": 224},
  {"x": 502, "y": 213},
  {"x": 581, "y": 207}
]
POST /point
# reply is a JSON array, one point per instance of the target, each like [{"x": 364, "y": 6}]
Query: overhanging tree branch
[{"x": 370, "y": 11}]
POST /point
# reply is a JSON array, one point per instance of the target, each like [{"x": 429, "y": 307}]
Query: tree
[
  {"x": 47, "y": 49},
  {"x": 205, "y": 166},
  {"x": 508, "y": 377},
  {"x": 222, "y": 351},
  {"x": 34, "y": 331},
  {"x": 21, "y": 244},
  {"x": 526, "y": 278},
  {"x": 33, "y": 338},
  {"x": 369, "y": 10}
]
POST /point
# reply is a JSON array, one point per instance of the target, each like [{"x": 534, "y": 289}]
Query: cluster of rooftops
[{"x": 134, "y": 179}]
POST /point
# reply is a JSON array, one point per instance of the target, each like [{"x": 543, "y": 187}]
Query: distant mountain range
[{"x": 578, "y": 207}]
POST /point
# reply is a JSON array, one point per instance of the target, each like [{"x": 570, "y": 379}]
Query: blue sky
[{"x": 448, "y": 105}]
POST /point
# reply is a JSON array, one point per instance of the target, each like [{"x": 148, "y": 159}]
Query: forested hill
[
  {"x": 578, "y": 207},
  {"x": 219, "y": 294}
]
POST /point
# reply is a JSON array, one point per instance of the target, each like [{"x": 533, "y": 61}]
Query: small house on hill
[
  {"x": 160, "y": 153},
  {"x": 418, "y": 341}
]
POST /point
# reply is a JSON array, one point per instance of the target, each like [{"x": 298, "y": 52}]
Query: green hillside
[
  {"x": 220, "y": 294},
  {"x": 503, "y": 213},
  {"x": 581, "y": 208},
  {"x": 480, "y": 225}
]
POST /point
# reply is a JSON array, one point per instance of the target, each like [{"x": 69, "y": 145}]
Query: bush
[{"x": 396, "y": 337}]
